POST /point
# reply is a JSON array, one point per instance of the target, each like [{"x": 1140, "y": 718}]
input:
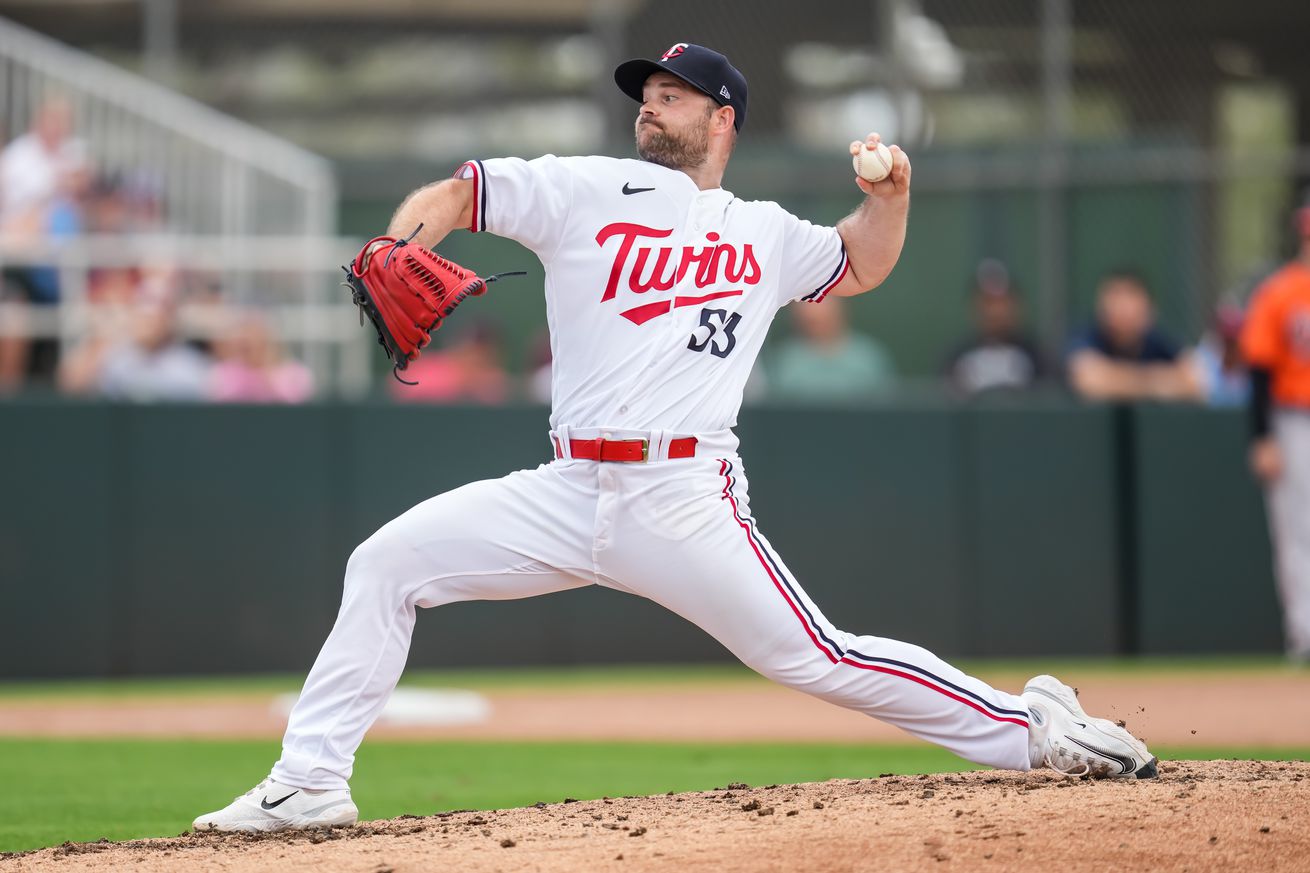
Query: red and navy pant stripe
[{"x": 787, "y": 589}]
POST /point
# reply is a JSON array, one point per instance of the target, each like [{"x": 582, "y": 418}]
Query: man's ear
[{"x": 724, "y": 118}]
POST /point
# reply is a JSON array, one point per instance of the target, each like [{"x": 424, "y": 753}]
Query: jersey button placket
[{"x": 691, "y": 236}]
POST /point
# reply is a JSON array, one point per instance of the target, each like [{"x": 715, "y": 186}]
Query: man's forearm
[
  {"x": 1097, "y": 377},
  {"x": 440, "y": 207},
  {"x": 1180, "y": 380},
  {"x": 874, "y": 235}
]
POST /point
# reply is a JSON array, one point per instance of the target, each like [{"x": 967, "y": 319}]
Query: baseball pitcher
[{"x": 660, "y": 287}]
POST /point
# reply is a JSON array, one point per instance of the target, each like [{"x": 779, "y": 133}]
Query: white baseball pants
[
  {"x": 1288, "y": 502},
  {"x": 677, "y": 532}
]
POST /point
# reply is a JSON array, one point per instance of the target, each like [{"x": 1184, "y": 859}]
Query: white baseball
[{"x": 873, "y": 164}]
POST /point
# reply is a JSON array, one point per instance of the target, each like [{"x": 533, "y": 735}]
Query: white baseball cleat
[
  {"x": 1068, "y": 740},
  {"x": 271, "y": 806}
]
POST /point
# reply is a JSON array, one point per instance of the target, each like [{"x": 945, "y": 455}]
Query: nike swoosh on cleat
[
  {"x": 627, "y": 189},
  {"x": 266, "y": 805},
  {"x": 1126, "y": 765}
]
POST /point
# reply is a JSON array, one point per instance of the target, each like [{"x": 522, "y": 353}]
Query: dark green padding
[{"x": 177, "y": 539}]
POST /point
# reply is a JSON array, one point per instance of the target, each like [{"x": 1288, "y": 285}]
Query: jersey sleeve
[
  {"x": 526, "y": 201},
  {"x": 813, "y": 260},
  {"x": 1262, "y": 335}
]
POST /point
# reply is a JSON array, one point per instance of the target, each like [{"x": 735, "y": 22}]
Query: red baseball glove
[{"x": 407, "y": 291}]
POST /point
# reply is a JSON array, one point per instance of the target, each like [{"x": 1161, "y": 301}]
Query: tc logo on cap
[{"x": 674, "y": 51}]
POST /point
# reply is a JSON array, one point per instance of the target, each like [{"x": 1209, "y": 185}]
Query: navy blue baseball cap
[{"x": 704, "y": 69}]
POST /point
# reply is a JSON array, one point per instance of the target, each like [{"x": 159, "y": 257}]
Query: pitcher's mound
[{"x": 1197, "y": 816}]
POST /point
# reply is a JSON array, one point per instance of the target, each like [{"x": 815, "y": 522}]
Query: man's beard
[{"x": 685, "y": 151}]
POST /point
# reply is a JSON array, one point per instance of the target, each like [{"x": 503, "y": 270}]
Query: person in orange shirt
[{"x": 1276, "y": 344}]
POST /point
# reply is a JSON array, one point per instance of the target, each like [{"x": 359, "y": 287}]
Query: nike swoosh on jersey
[{"x": 628, "y": 189}]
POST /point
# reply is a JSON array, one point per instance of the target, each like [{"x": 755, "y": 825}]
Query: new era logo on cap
[{"x": 700, "y": 67}]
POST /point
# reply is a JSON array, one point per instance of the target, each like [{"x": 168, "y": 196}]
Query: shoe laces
[
  {"x": 258, "y": 788},
  {"x": 1076, "y": 762},
  {"x": 1057, "y": 755},
  {"x": 1070, "y": 768}
]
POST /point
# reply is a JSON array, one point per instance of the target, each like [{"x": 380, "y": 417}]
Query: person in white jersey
[{"x": 660, "y": 286}]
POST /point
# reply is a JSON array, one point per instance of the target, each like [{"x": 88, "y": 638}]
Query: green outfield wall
[{"x": 176, "y": 539}]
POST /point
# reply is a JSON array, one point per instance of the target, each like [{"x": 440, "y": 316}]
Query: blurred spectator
[
  {"x": 999, "y": 356},
  {"x": 142, "y": 194},
  {"x": 114, "y": 287},
  {"x": 538, "y": 385},
  {"x": 64, "y": 219},
  {"x": 13, "y": 345},
  {"x": 1276, "y": 345},
  {"x": 1218, "y": 360},
  {"x": 35, "y": 166},
  {"x": 147, "y": 363},
  {"x": 208, "y": 318},
  {"x": 109, "y": 210},
  {"x": 44, "y": 178},
  {"x": 1122, "y": 355},
  {"x": 469, "y": 370},
  {"x": 253, "y": 369},
  {"x": 826, "y": 360}
]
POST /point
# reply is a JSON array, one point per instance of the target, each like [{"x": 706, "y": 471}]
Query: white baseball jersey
[{"x": 658, "y": 294}]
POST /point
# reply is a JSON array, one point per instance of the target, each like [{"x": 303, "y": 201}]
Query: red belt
[{"x": 629, "y": 451}]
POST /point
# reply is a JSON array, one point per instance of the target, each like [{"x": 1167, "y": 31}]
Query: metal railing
[
  {"x": 252, "y": 212},
  {"x": 214, "y": 173},
  {"x": 294, "y": 281}
]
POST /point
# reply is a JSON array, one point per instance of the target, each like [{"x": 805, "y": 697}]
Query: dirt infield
[
  {"x": 1195, "y": 817},
  {"x": 1201, "y": 709}
]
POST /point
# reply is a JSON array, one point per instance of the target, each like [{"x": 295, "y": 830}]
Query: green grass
[
  {"x": 84, "y": 790},
  {"x": 626, "y": 676},
  {"x": 474, "y": 678},
  {"x": 57, "y": 790}
]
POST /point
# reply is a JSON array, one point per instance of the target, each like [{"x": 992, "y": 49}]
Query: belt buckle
[{"x": 645, "y": 451}]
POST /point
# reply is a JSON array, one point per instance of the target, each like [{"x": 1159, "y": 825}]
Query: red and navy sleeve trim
[
  {"x": 838, "y": 274},
  {"x": 478, "y": 222}
]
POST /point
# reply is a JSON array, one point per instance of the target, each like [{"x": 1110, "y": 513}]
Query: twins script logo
[{"x": 654, "y": 268}]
